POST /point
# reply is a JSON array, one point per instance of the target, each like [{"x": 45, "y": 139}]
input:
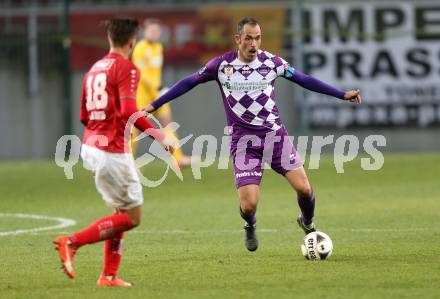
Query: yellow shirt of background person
[{"x": 148, "y": 57}]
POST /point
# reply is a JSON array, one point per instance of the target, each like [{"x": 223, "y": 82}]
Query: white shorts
[{"x": 116, "y": 177}]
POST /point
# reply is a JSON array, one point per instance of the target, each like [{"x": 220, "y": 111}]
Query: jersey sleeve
[
  {"x": 281, "y": 66},
  {"x": 209, "y": 71},
  {"x": 127, "y": 81},
  {"x": 309, "y": 82}
]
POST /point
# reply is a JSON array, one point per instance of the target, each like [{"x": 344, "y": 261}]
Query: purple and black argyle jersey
[{"x": 248, "y": 89}]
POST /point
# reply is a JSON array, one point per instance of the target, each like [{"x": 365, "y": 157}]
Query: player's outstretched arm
[
  {"x": 178, "y": 89},
  {"x": 316, "y": 85},
  {"x": 128, "y": 108}
]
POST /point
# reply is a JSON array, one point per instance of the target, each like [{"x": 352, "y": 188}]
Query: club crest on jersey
[{"x": 228, "y": 70}]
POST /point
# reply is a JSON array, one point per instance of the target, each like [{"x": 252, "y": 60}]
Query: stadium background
[
  {"x": 384, "y": 223},
  {"x": 47, "y": 45}
]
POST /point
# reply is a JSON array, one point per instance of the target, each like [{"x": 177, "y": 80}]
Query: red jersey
[{"x": 109, "y": 81}]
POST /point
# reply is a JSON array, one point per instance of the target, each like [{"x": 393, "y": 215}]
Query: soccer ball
[{"x": 317, "y": 246}]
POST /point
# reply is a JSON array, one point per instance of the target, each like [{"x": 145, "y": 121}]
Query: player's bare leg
[
  {"x": 135, "y": 214},
  {"x": 249, "y": 196},
  {"x": 305, "y": 196}
]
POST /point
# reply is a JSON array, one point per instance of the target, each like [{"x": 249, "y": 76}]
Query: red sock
[
  {"x": 112, "y": 254},
  {"x": 103, "y": 229}
]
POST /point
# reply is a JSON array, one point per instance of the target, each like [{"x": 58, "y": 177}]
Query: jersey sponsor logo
[
  {"x": 246, "y": 70},
  {"x": 248, "y": 174},
  {"x": 246, "y": 85},
  {"x": 263, "y": 70},
  {"x": 103, "y": 65}
]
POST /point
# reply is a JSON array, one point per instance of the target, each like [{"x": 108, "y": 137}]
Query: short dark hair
[
  {"x": 250, "y": 21},
  {"x": 121, "y": 30}
]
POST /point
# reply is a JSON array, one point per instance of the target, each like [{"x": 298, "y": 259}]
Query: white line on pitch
[{"x": 62, "y": 223}]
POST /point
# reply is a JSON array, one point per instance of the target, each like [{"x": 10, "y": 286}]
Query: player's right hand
[
  {"x": 149, "y": 108},
  {"x": 169, "y": 144}
]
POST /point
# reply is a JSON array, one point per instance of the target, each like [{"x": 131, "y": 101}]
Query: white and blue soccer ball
[{"x": 317, "y": 246}]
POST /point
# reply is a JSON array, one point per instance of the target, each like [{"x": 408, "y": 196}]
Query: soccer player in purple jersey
[{"x": 246, "y": 78}]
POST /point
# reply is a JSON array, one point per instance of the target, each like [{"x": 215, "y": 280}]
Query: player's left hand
[{"x": 353, "y": 96}]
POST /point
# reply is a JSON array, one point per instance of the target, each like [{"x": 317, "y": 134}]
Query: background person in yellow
[{"x": 148, "y": 57}]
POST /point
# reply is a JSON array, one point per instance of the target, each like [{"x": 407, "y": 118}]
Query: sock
[
  {"x": 112, "y": 254},
  {"x": 249, "y": 218},
  {"x": 103, "y": 229},
  {"x": 307, "y": 206}
]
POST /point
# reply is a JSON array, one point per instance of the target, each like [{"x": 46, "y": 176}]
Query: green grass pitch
[{"x": 385, "y": 227}]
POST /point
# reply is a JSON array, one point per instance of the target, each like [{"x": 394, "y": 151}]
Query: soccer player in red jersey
[{"x": 108, "y": 100}]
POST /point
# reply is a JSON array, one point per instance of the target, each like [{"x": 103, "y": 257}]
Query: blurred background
[{"x": 388, "y": 49}]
